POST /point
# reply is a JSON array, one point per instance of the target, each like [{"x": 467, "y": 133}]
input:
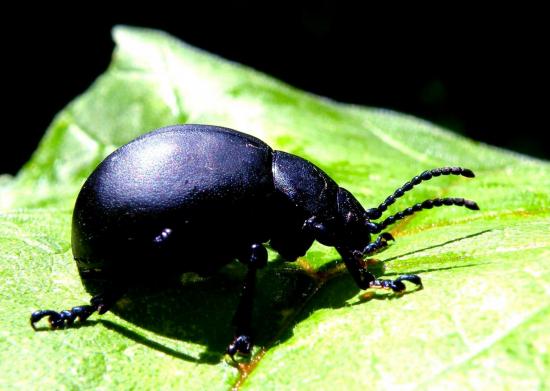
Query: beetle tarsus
[
  {"x": 365, "y": 279},
  {"x": 59, "y": 320},
  {"x": 397, "y": 284}
]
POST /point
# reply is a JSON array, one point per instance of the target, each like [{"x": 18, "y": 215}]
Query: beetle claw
[
  {"x": 386, "y": 236},
  {"x": 411, "y": 278},
  {"x": 36, "y": 316}
]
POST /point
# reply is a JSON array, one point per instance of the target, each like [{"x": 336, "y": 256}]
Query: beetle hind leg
[{"x": 58, "y": 320}]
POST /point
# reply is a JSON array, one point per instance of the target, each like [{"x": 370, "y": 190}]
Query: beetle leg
[
  {"x": 57, "y": 320},
  {"x": 356, "y": 267},
  {"x": 379, "y": 244},
  {"x": 365, "y": 279},
  {"x": 397, "y": 284},
  {"x": 255, "y": 258}
]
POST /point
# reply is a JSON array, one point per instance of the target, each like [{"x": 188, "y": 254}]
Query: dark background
[{"x": 477, "y": 72}]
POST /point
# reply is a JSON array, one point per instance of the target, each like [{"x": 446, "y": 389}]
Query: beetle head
[{"x": 356, "y": 233}]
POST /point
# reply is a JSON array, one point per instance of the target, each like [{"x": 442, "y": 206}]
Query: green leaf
[{"x": 480, "y": 322}]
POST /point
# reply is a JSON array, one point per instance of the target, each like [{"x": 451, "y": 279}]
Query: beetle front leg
[
  {"x": 397, "y": 284},
  {"x": 255, "y": 258},
  {"x": 379, "y": 244},
  {"x": 357, "y": 267},
  {"x": 365, "y": 279},
  {"x": 57, "y": 320}
]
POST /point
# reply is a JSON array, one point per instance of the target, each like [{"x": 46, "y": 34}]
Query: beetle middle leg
[
  {"x": 255, "y": 257},
  {"x": 57, "y": 320}
]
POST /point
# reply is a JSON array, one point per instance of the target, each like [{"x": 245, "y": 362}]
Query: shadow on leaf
[
  {"x": 440, "y": 244},
  {"x": 208, "y": 358},
  {"x": 200, "y": 311}
]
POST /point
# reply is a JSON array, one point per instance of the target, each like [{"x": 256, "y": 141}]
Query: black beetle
[{"x": 215, "y": 195}]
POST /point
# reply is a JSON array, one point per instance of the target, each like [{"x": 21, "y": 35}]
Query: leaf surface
[{"x": 480, "y": 322}]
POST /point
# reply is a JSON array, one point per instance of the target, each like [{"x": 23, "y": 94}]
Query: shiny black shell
[{"x": 181, "y": 198}]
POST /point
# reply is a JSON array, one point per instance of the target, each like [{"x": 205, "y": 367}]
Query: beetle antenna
[
  {"x": 428, "y": 204},
  {"x": 376, "y": 213}
]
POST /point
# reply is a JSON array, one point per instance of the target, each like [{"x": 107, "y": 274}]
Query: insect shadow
[{"x": 200, "y": 310}]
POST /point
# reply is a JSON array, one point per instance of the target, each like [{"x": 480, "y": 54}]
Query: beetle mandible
[{"x": 216, "y": 194}]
